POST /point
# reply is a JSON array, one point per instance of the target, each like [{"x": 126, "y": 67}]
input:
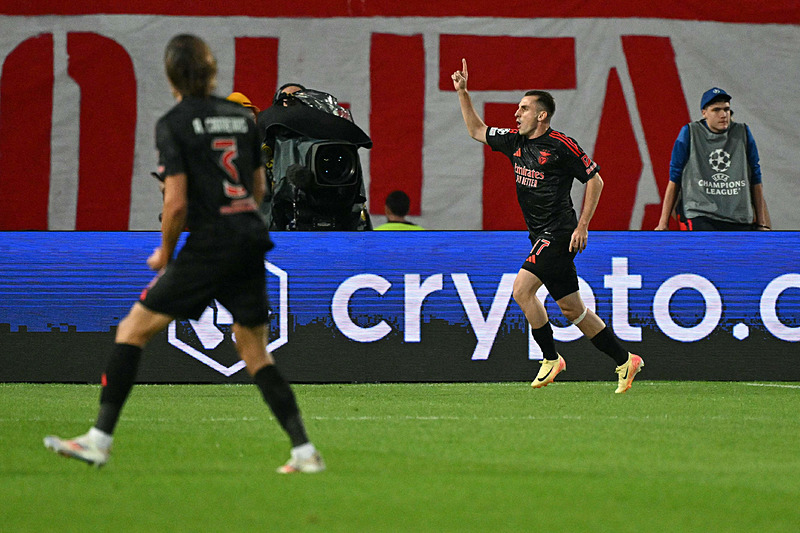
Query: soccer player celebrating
[
  {"x": 545, "y": 163},
  {"x": 210, "y": 152}
]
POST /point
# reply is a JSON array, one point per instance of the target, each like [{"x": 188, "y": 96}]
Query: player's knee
[
  {"x": 573, "y": 312},
  {"x": 130, "y": 331},
  {"x": 523, "y": 299},
  {"x": 522, "y": 294},
  {"x": 517, "y": 294}
]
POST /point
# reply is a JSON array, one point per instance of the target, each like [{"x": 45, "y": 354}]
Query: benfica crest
[{"x": 543, "y": 156}]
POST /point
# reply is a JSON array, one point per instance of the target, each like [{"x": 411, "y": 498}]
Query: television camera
[{"x": 316, "y": 177}]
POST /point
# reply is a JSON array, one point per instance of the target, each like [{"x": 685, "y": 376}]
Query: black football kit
[
  {"x": 544, "y": 168},
  {"x": 216, "y": 144}
]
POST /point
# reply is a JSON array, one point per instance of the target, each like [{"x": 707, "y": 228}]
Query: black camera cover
[{"x": 307, "y": 121}]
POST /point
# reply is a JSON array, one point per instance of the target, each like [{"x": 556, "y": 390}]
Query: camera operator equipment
[{"x": 316, "y": 176}]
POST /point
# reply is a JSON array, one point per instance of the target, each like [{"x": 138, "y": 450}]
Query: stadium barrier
[{"x": 415, "y": 307}]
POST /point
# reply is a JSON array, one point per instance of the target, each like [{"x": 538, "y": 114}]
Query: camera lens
[{"x": 335, "y": 164}]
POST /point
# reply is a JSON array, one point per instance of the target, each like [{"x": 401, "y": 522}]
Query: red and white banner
[{"x": 82, "y": 86}]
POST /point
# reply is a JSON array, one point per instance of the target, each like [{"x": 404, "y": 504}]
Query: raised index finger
[{"x": 464, "y": 66}]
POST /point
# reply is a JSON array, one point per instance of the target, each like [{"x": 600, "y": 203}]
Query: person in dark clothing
[
  {"x": 545, "y": 164},
  {"x": 396, "y": 208},
  {"x": 210, "y": 157}
]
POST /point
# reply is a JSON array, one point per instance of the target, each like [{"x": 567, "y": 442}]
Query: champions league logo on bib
[
  {"x": 720, "y": 161},
  {"x": 720, "y": 185}
]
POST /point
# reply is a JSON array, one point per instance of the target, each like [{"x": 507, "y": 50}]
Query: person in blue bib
[{"x": 714, "y": 174}]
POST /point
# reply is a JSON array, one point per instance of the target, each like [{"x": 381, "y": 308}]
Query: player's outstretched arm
[{"x": 475, "y": 125}]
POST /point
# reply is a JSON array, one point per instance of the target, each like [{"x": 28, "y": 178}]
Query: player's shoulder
[
  {"x": 197, "y": 113},
  {"x": 177, "y": 114},
  {"x": 560, "y": 140},
  {"x": 224, "y": 106},
  {"x": 209, "y": 106},
  {"x": 171, "y": 113},
  {"x": 503, "y": 139}
]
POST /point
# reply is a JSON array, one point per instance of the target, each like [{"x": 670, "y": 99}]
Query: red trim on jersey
[
  {"x": 242, "y": 205},
  {"x": 567, "y": 141}
]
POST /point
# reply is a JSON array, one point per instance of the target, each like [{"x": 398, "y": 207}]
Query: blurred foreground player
[
  {"x": 545, "y": 163},
  {"x": 210, "y": 151}
]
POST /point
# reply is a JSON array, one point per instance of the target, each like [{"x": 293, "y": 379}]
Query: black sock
[
  {"x": 117, "y": 382},
  {"x": 606, "y": 342},
  {"x": 544, "y": 338},
  {"x": 281, "y": 401}
]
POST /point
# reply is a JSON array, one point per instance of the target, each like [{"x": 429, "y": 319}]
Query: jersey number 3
[{"x": 233, "y": 186}]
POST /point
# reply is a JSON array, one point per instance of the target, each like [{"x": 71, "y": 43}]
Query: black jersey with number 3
[
  {"x": 544, "y": 168},
  {"x": 216, "y": 144}
]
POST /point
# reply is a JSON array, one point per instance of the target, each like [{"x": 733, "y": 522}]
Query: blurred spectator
[
  {"x": 285, "y": 90},
  {"x": 396, "y": 209},
  {"x": 239, "y": 98}
]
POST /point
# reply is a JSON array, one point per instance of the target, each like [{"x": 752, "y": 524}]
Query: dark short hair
[
  {"x": 545, "y": 102},
  {"x": 190, "y": 65},
  {"x": 398, "y": 203}
]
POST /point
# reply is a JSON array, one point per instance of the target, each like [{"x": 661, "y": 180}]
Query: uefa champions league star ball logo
[{"x": 720, "y": 161}]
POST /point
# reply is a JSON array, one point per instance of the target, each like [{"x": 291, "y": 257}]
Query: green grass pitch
[{"x": 667, "y": 456}]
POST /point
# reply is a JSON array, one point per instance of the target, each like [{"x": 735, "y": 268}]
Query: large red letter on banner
[
  {"x": 26, "y": 106},
  {"x": 104, "y": 72},
  {"x": 256, "y": 72},
  {"x": 397, "y": 115}
]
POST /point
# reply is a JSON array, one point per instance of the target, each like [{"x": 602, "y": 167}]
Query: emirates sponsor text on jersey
[{"x": 526, "y": 176}]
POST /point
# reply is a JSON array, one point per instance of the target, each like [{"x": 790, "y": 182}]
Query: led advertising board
[{"x": 415, "y": 306}]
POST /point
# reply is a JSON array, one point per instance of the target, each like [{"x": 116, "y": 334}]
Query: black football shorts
[
  {"x": 233, "y": 276},
  {"x": 551, "y": 261}
]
